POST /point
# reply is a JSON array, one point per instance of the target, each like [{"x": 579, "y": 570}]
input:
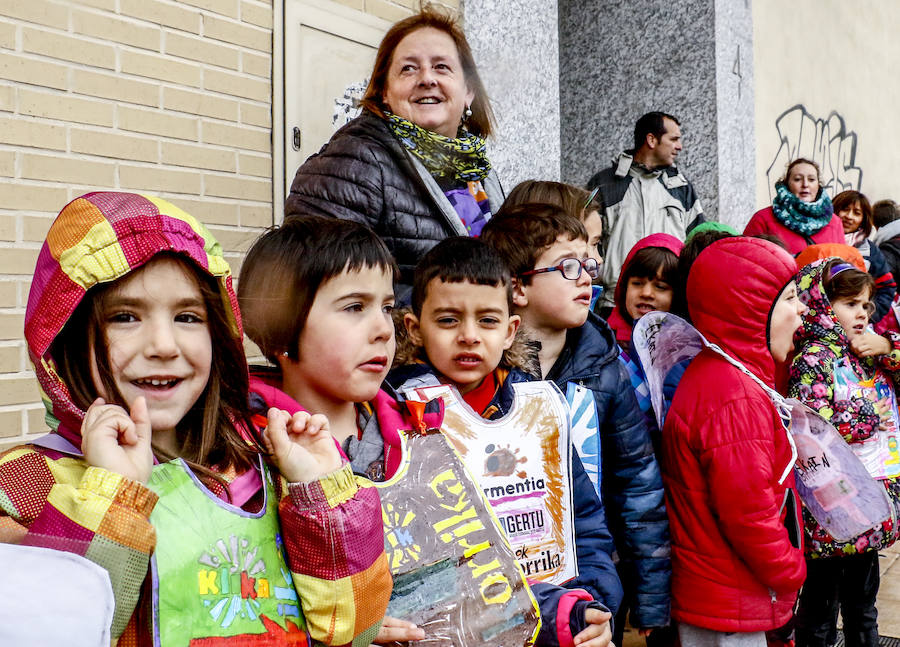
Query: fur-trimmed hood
[{"x": 521, "y": 355}]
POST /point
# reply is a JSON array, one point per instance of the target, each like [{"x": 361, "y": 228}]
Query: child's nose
[
  {"x": 161, "y": 341},
  {"x": 468, "y": 332}
]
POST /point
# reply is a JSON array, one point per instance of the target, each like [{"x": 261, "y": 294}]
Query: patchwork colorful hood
[
  {"x": 98, "y": 238},
  {"x": 820, "y": 324}
]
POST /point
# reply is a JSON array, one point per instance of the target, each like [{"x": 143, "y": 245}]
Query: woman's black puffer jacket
[{"x": 364, "y": 174}]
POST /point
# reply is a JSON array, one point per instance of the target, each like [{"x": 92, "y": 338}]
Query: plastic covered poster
[
  {"x": 880, "y": 453},
  {"x": 662, "y": 341},
  {"x": 454, "y": 573},
  {"x": 523, "y": 464},
  {"x": 833, "y": 483}
]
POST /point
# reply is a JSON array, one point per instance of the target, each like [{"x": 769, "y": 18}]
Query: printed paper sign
[
  {"x": 523, "y": 465},
  {"x": 585, "y": 430}
]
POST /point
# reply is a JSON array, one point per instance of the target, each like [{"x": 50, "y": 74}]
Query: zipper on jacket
[{"x": 772, "y": 595}]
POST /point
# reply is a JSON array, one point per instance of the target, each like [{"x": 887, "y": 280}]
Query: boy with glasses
[
  {"x": 461, "y": 331},
  {"x": 542, "y": 245}
]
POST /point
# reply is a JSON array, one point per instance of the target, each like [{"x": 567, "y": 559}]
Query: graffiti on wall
[
  {"x": 347, "y": 106},
  {"x": 825, "y": 141}
]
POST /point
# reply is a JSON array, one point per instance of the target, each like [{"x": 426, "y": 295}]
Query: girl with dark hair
[
  {"x": 801, "y": 213},
  {"x": 847, "y": 375},
  {"x": 154, "y": 471},
  {"x": 855, "y": 212}
]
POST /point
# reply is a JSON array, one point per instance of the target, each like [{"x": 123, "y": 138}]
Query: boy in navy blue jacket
[
  {"x": 460, "y": 332},
  {"x": 546, "y": 251}
]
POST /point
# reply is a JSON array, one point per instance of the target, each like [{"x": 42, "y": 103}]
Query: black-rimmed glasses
[{"x": 571, "y": 268}]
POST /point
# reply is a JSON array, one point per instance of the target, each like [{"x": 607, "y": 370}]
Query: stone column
[
  {"x": 516, "y": 47},
  {"x": 690, "y": 58}
]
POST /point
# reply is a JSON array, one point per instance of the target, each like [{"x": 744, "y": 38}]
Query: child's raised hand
[
  {"x": 117, "y": 440},
  {"x": 397, "y": 630},
  {"x": 598, "y": 633},
  {"x": 870, "y": 345},
  {"x": 301, "y": 445}
]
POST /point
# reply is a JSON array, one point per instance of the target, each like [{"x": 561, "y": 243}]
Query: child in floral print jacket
[{"x": 847, "y": 375}]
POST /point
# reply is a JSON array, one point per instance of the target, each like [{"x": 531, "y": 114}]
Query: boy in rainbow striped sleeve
[{"x": 209, "y": 535}]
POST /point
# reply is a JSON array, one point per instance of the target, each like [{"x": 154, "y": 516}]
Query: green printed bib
[{"x": 219, "y": 572}]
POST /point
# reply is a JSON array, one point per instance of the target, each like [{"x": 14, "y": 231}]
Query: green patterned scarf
[
  {"x": 462, "y": 159},
  {"x": 804, "y": 218}
]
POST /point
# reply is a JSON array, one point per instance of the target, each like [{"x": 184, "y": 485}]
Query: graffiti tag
[{"x": 825, "y": 141}]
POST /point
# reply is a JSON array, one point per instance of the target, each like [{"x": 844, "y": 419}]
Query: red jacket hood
[
  {"x": 618, "y": 319},
  {"x": 731, "y": 290}
]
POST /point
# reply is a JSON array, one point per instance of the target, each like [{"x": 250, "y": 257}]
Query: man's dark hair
[
  {"x": 287, "y": 265},
  {"x": 460, "y": 259},
  {"x": 652, "y": 123},
  {"x": 885, "y": 211}
]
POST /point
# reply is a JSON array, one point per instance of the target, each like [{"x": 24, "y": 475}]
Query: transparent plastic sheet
[
  {"x": 455, "y": 574},
  {"x": 662, "y": 341},
  {"x": 838, "y": 491},
  {"x": 833, "y": 483}
]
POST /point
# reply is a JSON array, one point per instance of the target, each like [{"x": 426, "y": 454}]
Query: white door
[{"x": 329, "y": 51}]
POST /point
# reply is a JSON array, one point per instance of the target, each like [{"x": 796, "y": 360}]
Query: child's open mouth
[
  {"x": 157, "y": 383},
  {"x": 467, "y": 360}
]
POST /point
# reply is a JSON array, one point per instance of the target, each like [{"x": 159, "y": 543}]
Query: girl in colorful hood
[
  {"x": 848, "y": 375},
  {"x": 152, "y": 470}
]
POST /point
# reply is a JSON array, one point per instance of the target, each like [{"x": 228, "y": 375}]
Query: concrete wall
[
  {"x": 619, "y": 60},
  {"x": 828, "y": 91},
  {"x": 516, "y": 46}
]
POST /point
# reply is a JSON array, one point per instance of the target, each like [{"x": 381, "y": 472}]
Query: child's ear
[
  {"x": 520, "y": 299},
  {"x": 514, "y": 322},
  {"x": 283, "y": 361},
  {"x": 411, "y": 322}
]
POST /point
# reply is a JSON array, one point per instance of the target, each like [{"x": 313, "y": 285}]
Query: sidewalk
[{"x": 889, "y": 593}]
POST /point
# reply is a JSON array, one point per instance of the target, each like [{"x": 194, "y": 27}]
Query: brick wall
[
  {"x": 172, "y": 98},
  {"x": 160, "y": 96}
]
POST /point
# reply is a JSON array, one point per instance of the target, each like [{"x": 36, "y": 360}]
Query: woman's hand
[
  {"x": 397, "y": 630},
  {"x": 598, "y": 633},
  {"x": 117, "y": 440},
  {"x": 301, "y": 445},
  {"x": 870, "y": 345}
]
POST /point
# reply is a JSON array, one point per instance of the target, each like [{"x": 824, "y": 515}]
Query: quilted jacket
[
  {"x": 726, "y": 458},
  {"x": 365, "y": 174}
]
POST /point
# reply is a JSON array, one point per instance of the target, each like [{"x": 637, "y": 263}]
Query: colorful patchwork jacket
[
  {"x": 822, "y": 345},
  {"x": 49, "y": 496}
]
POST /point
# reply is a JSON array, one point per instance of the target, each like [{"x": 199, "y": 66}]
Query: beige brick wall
[{"x": 167, "y": 97}]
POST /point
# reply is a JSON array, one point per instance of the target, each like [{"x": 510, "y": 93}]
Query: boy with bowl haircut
[
  {"x": 542, "y": 244},
  {"x": 460, "y": 331}
]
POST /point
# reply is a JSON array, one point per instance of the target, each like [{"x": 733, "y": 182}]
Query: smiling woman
[
  {"x": 801, "y": 213},
  {"x": 413, "y": 165}
]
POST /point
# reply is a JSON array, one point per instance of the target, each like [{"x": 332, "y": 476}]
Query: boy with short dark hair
[
  {"x": 461, "y": 332},
  {"x": 538, "y": 242}
]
